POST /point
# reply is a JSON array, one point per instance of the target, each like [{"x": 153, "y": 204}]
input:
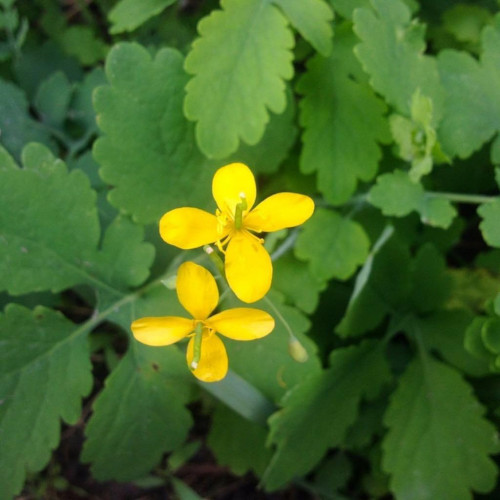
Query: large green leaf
[
  {"x": 392, "y": 53},
  {"x": 334, "y": 246},
  {"x": 312, "y": 19},
  {"x": 438, "y": 441},
  {"x": 240, "y": 61},
  {"x": 50, "y": 231},
  {"x": 147, "y": 150},
  {"x": 45, "y": 370},
  {"x": 343, "y": 123},
  {"x": 140, "y": 414},
  {"x": 472, "y": 106},
  {"x": 318, "y": 412}
]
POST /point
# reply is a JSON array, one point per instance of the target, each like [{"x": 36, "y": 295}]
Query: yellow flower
[
  {"x": 248, "y": 266},
  {"x": 198, "y": 294}
]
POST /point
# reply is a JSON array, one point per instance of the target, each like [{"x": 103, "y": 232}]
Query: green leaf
[
  {"x": 382, "y": 286},
  {"x": 343, "y": 123},
  {"x": 333, "y": 245},
  {"x": 317, "y": 413},
  {"x": 312, "y": 19},
  {"x": 490, "y": 227},
  {"x": 45, "y": 370},
  {"x": 127, "y": 15},
  {"x": 293, "y": 278},
  {"x": 17, "y": 127},
  {"x": 50, "y": 232},
  {"x": 472, "y": 106},
  {"x": 146, "y": 151},
  {"x": 465, "y": 22},
  {"x": 82, "y": 43},
  {"x": 140, "y": 414},
  {"x": 444, "y": 332},
  {"x": 397, "y": 195},
  {"x": 240, "y": 60},
  {"x": 53, "y": 97},
  {"x": 346, "y": 8},
  {"x": 438, "y": 441},
  {"x": 392, "y": 53},
  {"x": 238, "y": 443}
]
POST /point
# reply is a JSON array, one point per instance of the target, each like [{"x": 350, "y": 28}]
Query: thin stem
[
  {"x": 286, "y": 245},
  {"x": 279, "y": 316},
  {"x": 462, "y": 198}
]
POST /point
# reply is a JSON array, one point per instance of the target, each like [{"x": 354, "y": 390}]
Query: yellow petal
[
  {"x": 196, "y": 290},
  {"x": 248, "y": 267},
  {"x": 165, "y": 330},
  {"x": 280, "y": 211},
  {"x": 188, "y": 228},
  {"x": 242, "y": 323},
  {"x": 229, "y": 183},
  {"x": 213, "y": 361}
]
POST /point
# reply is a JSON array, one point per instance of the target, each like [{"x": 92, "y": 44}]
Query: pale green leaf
[
  {"x": 312, "y": 19},
  {"x": 82, "y": 43},
  {"x": 127, "y": 15},
  {"x": 397, "y": 195},
  {"x": 318, "y": 412},
  {"x": 147, "y": 150},
  {"x": 240, "y": 60},
  {"x": 17, "y": 127},
  {"x": 438, "y": 441},
  {"x": 392, "y": 52},
  {"x": 346, "y": 8},
  {"x": 490, "y": 225},
  {"x": 140, "y": 414},
  {"x": 343, "y": 122},
  {"x": 472, "y": 106},
  {"x": 334, "y": 246},
  {"x": 238, "y": 443},
  {"x": 45, "y": 370}
]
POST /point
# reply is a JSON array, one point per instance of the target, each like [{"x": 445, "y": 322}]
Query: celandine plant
[{"x": 125, "y": 355}]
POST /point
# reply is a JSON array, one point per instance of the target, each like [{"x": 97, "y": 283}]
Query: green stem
[
  {"x": 198, "y": 334},
  {"x": 462, "y": 198}
]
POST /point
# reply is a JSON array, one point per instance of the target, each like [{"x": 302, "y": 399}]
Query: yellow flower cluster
[{"x": 248, "y": 269}]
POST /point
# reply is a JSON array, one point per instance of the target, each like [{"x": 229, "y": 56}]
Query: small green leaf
[
  {"x": 127, "y": 15},
  {"x": 312, "y": 19},
  {"x": 317, "y": 413},
  {"x": 397, "y": 195},
  {"x": 438, "y": 441},
  {"x": 17, "y": 127},
  {"x": 490, "y": 225},
  {"x": 241, "y": 60},
  {"x": 343, "y": 122},
  {"x": 82, "y": 43},
  {"x": 45, "y": 370},
  {"x": 53, "y": 97},
  {"x": 465, "y": 22},
  {"x": 392, "y": 53},
  {"x": 472, "y": 107},
  {"x": 238, "y": 443},
  {"x": 346, "y": 8},
  {"x": 333, "y": 245},
  {"x": 140, "y": 414}
]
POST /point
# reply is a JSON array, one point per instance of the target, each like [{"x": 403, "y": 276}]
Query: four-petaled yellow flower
[
  {"x": 198, "y": 294},
  {"x": 248, "y": 266}
]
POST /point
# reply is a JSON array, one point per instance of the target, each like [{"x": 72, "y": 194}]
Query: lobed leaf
[
  {"x": 472, "y": 106},
  {"x": 147, "y": 151},
  {"x": 392, "y": 53},
  {"x": 318, "y": 412},
  {"x": 343, "y": 122},
  {"x": 140, "y": 414},
  {"x": 45, "y": 370},
  {"x": 490, "y": 213},
  {"x": 333, "y": 245},
  {"x": 240, "y": 60},
  {"x": 427, "y": 451},
  {"x": 312, "y": 19}
]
